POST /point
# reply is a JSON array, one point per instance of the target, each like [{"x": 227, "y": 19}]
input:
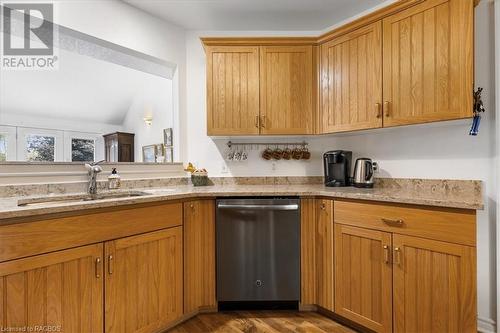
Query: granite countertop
[{"x": 439, "y": 196}]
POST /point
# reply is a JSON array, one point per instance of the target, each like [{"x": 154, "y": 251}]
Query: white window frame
[
  {"x": 98, "y": 144},
  {"x": 10, "y": 132},
  {"x": 24, "y": 132}
]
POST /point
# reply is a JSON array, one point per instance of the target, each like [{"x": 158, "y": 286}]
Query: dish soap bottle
[{"x": 114, "y": 180}]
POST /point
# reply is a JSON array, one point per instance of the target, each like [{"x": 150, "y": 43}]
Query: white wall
[
  {"x": 443, "y": 150},
  {"x": 155, "y": 101}
]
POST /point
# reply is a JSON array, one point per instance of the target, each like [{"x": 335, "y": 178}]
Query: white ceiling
[{"x": 255, "y": 15}]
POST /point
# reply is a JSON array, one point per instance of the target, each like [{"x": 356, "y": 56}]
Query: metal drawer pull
[
  {"x": 386, "y": 109},
  {"x": 386, "y": 254},
  {"x": 257, "y": 121},
  {"x": 98, "y": 268},
  {"x": 110, "y": 264},
  {"x": 378, "y": 108},
  {"x": 259, "y": 207},
  {"x": 398, "y": 222},
  {"x": 397, "y": 255}
]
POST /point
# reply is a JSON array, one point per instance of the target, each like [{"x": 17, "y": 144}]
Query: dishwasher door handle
[{"x": 259, "y": 207}]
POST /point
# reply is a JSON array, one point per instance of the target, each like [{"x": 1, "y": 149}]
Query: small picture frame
[
  {"x": 160, "y": 154},
  {"x": 168, "y": 137},
  {"x": 149, "y": 154},
  {"x": 168, "y": 154}
]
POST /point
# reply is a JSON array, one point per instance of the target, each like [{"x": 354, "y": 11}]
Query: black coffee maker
[{"x": 337, "y": 167}]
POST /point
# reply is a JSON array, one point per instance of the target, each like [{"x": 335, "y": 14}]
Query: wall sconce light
[{"x": 148, "y": 120}]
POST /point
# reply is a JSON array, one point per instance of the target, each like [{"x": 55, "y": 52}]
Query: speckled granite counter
[{"x": 437, "y": 193}]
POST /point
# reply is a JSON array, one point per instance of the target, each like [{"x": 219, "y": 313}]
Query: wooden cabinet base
[
  {"x": 61, "y": 290},
  {"x": 199, "y": 255},
  {"x": 144, "y": 281}
]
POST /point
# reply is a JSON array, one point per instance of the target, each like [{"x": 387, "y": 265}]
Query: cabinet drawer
[{"x": 450, "y": 225}]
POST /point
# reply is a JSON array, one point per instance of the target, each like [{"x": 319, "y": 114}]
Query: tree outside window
[
  {"x": 3, "y": 148},
  {"x": 82, "y": 150},
  {"x": 40, "y": 148}
]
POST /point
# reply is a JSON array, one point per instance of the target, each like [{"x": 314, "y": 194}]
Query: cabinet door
[
  {"x": 286, "y": 83},
  {"x": 144, "y": 281},
  {"x": 199, "y": 255},
  {"x": 62, "y": 290},
  {"x": 308, "y": 230},
  {"x": 428, "y": 69},
  {"x": 232, "y": 90},
  {"x": 324, "y": 253},
  {"x": 434, "y": 286},
  {"x": 363, "y": 277},
  {"x": 351, "y": 81}
]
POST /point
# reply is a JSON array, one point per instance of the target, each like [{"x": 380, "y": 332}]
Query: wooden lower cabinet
[
  {"x": 144, "y": 281},
  {"x": 363, "y": 277},
  {"x": 396, "y": 283},
  {"x": 434, "y": 286},
  {"x": 308, "y": 296},
  {"x": 61, "y": 290},
  {"x": 324, "y": 253},
  {"x": 199, "y": 255}
]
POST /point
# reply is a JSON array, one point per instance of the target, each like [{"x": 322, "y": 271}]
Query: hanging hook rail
[{"x": 303, "y": 144}]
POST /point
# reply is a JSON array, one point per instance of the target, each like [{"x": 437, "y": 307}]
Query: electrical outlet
[
  {"x": 273, "y": 166},
  {"x": 223, "y": 168}
]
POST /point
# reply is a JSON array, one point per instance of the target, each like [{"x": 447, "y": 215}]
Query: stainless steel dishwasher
[{"x": 258, "y": 249}]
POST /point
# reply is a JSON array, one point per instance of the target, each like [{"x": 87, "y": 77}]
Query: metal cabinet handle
[
  {"x": 191, "y": 206},
  {"x": 259, "y": 207},
  {"x": 322, "y": 206},
  {"x": 397, "y": 223},
  {"x": 386, "y": 109},
  {"x": 110, "y": 264},
  {"x": 378, "y": 109},
  {"x": 386, "y": 254},
  {"x": 397, "y": 255},
  {"x": 263, "y": 122},
  {"x": 257, "y": 121},
  {"x": 98, "y": 268}
]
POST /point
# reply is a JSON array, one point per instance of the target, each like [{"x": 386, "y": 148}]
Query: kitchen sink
[{"x": 80, "y": 197}]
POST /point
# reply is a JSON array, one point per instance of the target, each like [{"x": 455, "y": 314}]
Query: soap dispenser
[{"x": 114, "y": 180}]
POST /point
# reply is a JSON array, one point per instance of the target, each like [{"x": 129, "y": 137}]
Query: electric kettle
[{"x": 364, "y": 170}]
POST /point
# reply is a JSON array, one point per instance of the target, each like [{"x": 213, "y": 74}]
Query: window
[
  {"x": 46, "y": 145},
  {"x": 3, "y": 148},
  {"x": 40, "y": 148},
  {"x": 39, "y": 145},
  {"x": 82, "y": 150},
  {"x": 83, "y": 147},
  {"x": 7, "y": 143}
]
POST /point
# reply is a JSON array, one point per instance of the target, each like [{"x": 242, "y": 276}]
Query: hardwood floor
[{"x": 261, "y": 321}]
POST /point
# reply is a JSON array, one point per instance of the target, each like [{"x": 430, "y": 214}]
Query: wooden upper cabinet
[
  {"x": 434, "y": 286},
  {"x": 286, "y": 85},
  {"x": 363, "y": 277},
  {"x": 351, "y": 81},
  {"x": 199, "y": 256},
  {"x": 144, "y": 281},
  {"x": 63, "y": 290},
  {"x": 232, "y": 90},
  {"x": 324, "y": 253},
  {"x": 428, "y": 62}
]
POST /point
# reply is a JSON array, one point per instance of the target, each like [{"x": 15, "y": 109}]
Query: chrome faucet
[{"x": 94, "y": 168}]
